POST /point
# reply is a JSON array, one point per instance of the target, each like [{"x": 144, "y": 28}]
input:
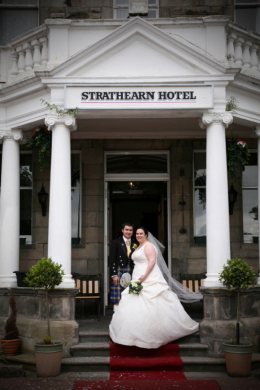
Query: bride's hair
[{"x": 144, "y": 229}]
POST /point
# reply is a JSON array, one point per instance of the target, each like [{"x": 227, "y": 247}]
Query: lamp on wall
[
  {"x": 42, "y": 196},
  {"x": 232, "y": 197}
]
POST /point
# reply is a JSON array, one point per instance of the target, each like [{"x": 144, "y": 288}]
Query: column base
[
  {"x": 212, "y": 280},
  {"x": 8, "y": 281},
  {"x": 67, "y": 282}
]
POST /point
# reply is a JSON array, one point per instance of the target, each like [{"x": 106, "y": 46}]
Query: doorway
[{"x": 137, "y": 190}]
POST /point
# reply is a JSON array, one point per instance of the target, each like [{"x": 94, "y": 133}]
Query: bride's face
[{"x": 140, "y": 236}]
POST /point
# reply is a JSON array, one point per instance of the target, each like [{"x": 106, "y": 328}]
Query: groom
[{"x": 120, "y": 261}]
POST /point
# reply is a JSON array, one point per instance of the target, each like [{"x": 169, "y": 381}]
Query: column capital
[
  {"x": 217, "y": 117},
  {"x": 67, "y": 120},
  {"x": 16, "y": 134},
  {"x": 257, "y": 130}
]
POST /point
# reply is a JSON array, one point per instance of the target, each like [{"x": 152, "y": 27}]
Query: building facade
[{"x": 147, "y": 142}]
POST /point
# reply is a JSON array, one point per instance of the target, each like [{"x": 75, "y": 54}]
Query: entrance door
[{"x": 137, "y": 190}]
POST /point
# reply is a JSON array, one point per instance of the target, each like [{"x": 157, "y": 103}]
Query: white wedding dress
[{"x": 154, "y": 317}]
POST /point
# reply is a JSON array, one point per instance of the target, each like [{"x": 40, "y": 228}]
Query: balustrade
[
  {"x": 28, "y": 55},
  {"x": 243, "y": 48}
]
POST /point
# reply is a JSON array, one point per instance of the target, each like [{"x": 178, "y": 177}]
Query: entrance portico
[{"x": 139, "y": 82}]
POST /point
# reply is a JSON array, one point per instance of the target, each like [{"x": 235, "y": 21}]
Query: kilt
[{"x": 115, "y": 291}]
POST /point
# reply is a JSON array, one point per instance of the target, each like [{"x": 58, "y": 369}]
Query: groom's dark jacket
[{"x": 118, "y": 256}]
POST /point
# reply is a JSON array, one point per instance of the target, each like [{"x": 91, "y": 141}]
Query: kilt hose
[{"x": 115, "y": 291}]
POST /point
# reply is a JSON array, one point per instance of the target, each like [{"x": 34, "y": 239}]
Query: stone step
[
  {"x": 193, "y": 349},
  {"x": 85, "y": 364},
  {"x": 192, "y": 338},
  {"x": 90, "y": 349},
  {"x": 203, "y": 364},
  {"x": 92, "y": 336}
]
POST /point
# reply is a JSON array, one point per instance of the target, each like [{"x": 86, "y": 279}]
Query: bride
[{"x": 154, "y": 317}]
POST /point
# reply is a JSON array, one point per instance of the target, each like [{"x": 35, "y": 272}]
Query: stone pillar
[
  {"x": 257, "y": 130},
  {"x": 217, "y": 212},
  {"x": 59, "y": 234},
  {"x": 10, "y": 207}
]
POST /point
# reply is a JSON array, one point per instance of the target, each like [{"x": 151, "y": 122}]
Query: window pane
[
  {"x": 200, "y": 212},
  {"x": 26, "y": 170},
  {"x": 122, "y": 2},
  {"x": 137, "y": 164},
  {"x": 250, "y": 214},
  {"x": 25, "y": 212},
  {"x": 249, "y": 178},
  {"x": 14, "y": 22},
  {"x": 152, "y": 2},
  {"x": 75, "y": 170},
  {"x": 75, "y": 213},
  {"x": 122, "y": 13},
  {"x": 246, "y": 18},
  {"x": 200, "y": 169}
]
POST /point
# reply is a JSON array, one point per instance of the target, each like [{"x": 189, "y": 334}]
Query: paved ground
[{"x": 65, "y": 381}]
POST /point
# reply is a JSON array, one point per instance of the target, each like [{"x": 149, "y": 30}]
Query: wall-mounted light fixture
[
  {"x": 232, "y": 197},
  {"x": 42, "y": 196}
]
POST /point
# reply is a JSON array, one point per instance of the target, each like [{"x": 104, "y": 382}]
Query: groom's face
[{"x": 127, "y": 231}]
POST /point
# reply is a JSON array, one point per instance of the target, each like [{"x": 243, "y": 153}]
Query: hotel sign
[{"x": 193, "y": 96}]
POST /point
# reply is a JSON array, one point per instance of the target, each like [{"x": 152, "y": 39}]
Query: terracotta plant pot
[
  {"x": 48, "y": 359},
  {"x": 238, "y": 359},
  {"x": 9, "y": 347}
]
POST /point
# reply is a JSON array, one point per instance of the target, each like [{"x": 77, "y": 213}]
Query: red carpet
[
  {"x": 133, "y": 363},
  {"x": 147, "y": 385}
]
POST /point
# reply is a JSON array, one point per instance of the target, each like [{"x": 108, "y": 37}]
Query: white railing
[
  {"x": 243, "y": 47},
  {"x": 26, "y": 53}
]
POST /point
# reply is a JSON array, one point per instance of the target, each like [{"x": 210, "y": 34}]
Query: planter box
[
  {"x": 20, "y": 275},
  {"x": 75, "y": 241},
  {"x": 200, "y": 239}
]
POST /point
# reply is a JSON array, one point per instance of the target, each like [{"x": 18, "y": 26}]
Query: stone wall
[
  {"x": 219, "y": 323},
  {"x": 31, "y": 316},
  {"x": 103, "y": 9},
  {"x": 87, "y": 257}
]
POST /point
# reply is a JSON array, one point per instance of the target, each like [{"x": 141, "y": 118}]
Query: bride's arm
[{"x": 151, "y": 256}]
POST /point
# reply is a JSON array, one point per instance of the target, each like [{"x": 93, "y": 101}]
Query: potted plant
[
  {"x": 237, "y": 274},
  {"x": 11, "y": 341},
  {"x": 46, "y": 274}
]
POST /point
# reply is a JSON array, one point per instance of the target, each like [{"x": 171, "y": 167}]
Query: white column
[
  {"x": 257, "y": 130},
  {"x": 10, "y": 208},
  {"x": 59, "y": 234},
  {"x": 217, "y": 213}
]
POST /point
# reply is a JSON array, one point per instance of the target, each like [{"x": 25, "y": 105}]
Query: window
[
  {"x": 75, "y": 197},
  {"x": 26, "y": 187},
  {"x": 250, "y": 200},
  {"x": 121, "y": 9},
  {"x": 247, "y": 14},
  {"x": 16, "y": 18},
  {"x": 199, "y": 200}
]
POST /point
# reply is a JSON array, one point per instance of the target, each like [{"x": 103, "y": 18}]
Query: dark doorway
[{"x": 141, "y": 203}]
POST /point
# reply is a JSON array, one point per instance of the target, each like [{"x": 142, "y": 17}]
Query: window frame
[
  {"x": 243, "y": 187},
  {"x": 28, "y": 238},
  {"x": 151, "y": 7},
  {"x": 199, "y": 239},
  {"x": 80, "y": 194}
]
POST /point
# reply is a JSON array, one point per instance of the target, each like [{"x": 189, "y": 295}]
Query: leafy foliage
[
  {"x": 59, "y": 110},
  {"x": 11, "y": 330},
  {"x": 231, "y": 104},
  {"x": 237, "y": 153},
  {"x": 238, "y": 274},
  {"x": 45, "y": 273},
  {"x": 41, "y": 139}
]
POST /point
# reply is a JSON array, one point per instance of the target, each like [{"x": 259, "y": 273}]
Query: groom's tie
[{"x": 128, "y": 249}]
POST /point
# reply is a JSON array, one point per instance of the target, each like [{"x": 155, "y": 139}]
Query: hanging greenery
[
  {"x": 237, "y": 153},
  {"x": 41, "y": 140}
]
